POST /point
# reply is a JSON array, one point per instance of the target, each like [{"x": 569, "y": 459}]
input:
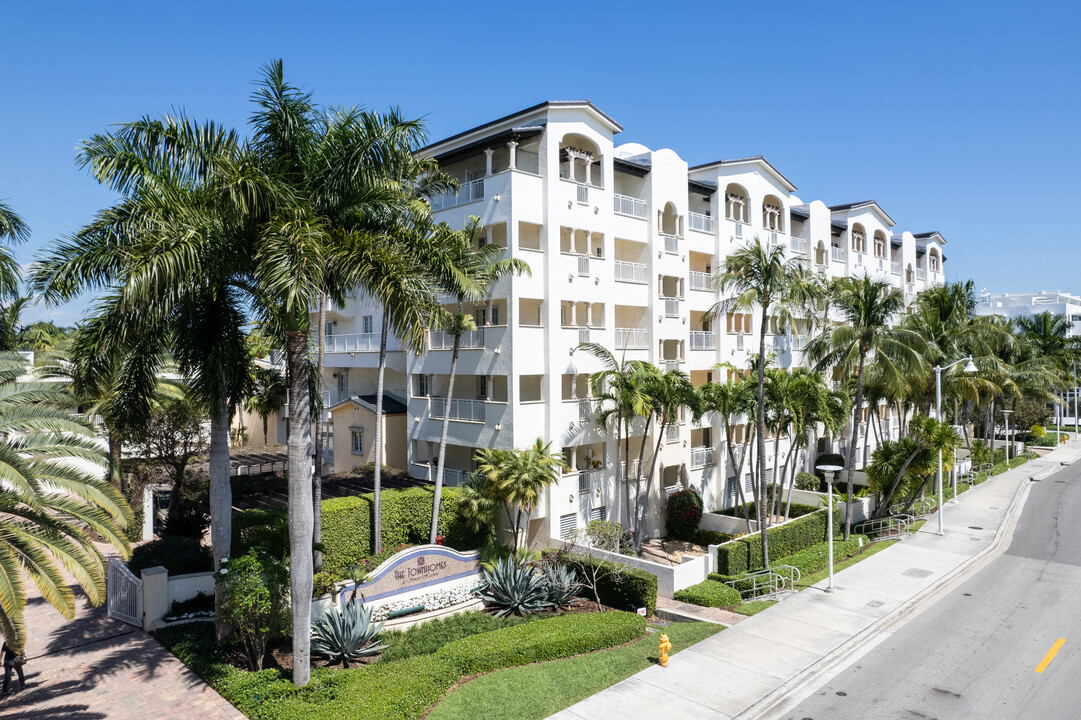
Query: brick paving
[{"x": 95, "y": 667}]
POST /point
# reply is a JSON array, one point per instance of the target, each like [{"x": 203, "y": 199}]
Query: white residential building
[
  {"x": 623, "y": 243},
  {"x": 1031, "y": 304}
]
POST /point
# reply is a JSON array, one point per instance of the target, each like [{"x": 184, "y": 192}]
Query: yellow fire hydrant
[{"x": 665, "y": 647}]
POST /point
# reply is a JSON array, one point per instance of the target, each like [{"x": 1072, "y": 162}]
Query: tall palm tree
[
  {"x": 868, "y": 308},
  {"x": 760, "y": 277},
  {"x": 50, "y": 506},
  {"x": 477, "y": 269},
  {"x": 15, "y": 230},
  {"x": 267, "y": 396},
  {"x": 810, "y": 403},
  {"x": 517, "y": 478},
  {"x": 729, "y": 400}
]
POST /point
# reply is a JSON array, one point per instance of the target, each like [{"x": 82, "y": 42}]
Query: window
[
  {"x": 366, "y": 325},
  {"x": 599, "y": 513},
  {"x": 357, "y": 441},
  {"x": 859, "y": 241},
  {"x": 478, "y": 317},
  {"x": 880, "y": 245},
  {"x": 482, "y": 386},
  {"x": 421, "y": 384},
  {"x": 495, "y": 314},
  {"x": 568, "y": 524},
  {"x": 330, "y": 328}
]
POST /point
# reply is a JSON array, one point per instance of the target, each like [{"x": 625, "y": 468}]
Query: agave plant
[
  {"x": 515, "y": 588},
  {"x": 347, "y": 635},
  {"x": 563, "y": 585}
]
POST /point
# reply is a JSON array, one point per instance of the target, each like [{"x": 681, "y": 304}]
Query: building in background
[{"x": 1015, "y": 305}]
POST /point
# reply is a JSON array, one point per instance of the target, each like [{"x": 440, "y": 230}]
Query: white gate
[{"x": 125, "y": 594}]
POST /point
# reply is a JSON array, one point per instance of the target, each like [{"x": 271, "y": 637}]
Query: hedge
[
  {"x": 745, "y": 554},
  {"x": 710, "y": 593},
  {"x": 548, "y": 639},
  {"x": 816, "y": 557},
  {"x": 631, "y": 590},
  {"x": 797, "y": 510},
  {"x": 179, "y": 555}
]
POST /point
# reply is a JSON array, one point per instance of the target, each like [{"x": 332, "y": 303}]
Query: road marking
[{"x": 1050, "y": 655}]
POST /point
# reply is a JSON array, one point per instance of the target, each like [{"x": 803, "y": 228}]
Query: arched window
[
  {"x": 908, "y": 273},
  {"x": 772, "y": 213},
  {"x": 735, "y": 203},
  {"x": 670, "y": 221},
  {"x": 580, "y": 160},
  {"x": 932, "y": 261},
  {"x": 859, "y": 239},
  {"x": 820, "y": 253},
  {"x": 880, "y": 244}
]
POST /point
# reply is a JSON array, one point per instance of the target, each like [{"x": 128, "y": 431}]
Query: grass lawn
[
  {"x": 753, "y": 607},
  {"x": 537, "y": 691},
  {"x": 809, "y": 580}
]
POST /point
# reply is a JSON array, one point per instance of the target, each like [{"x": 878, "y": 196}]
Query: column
[
  {"x": 589, "y": 314},
  {"x": 432, "y": 459},
  {"x": 488, "y": 388},
  {"x": 513, "y": 148},
  {"x": 488, "y": 152},
  {"x": 573, "y": 461},
  {"x": 488, "y": 312},
  {"x": 589, "y": 169}
]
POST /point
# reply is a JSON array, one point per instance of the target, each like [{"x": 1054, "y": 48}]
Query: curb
[{"x": 792, "y": 692}]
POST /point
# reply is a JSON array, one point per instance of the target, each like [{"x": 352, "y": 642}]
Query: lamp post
[
  {"x": 969, "y": 368},
  {"x": 1007, "y": 414},
  {"x": 835, "y": 469}
]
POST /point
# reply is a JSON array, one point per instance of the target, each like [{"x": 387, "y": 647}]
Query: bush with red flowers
[{"x": 684, "y": 513}]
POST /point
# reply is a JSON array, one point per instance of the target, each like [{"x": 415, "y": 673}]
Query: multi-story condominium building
[
  {"x": 623, "y": 243},
  {"x": 1014, "y": 305}
]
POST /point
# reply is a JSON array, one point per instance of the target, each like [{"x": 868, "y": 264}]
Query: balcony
[
  {"x": 585, "y": 409},
  {"x": 737, "y": 230},
  {"x": 631, "y": 272},
  {"x": 468, "y": 192},
  {"x": 632, "y": 339},
  {"x": 353, "y": 342},
  {"x": 799, "y": 245},
  {"x": 701, "y": 281},
  {"x": 700, "y": 222},
  {"x": 583, "y": 336},
  {"x": 739, "y": 341},
  {"x": 701, "y": 456},
  {"x": 455, "y": 478},
  {"x": 837, "y": 254},
  {"x": 671, "y": 244},
  {"x": 895, "y": 267},
  {"x": 635, "y": 467},
  {"x": 461, "y": 410},
  {"x": 671, "y": 307},
  {"x": 703, "y": 340},
  {"x": 583, "y": 266},
  {"x": 630, "y": 206},
  {"x": 441, "y": 340},
  {"x": 673, "y": 364},
  {"x": 921, "y": 274}
]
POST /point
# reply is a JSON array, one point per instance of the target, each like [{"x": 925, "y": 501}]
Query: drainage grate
[
  {"x": 974, "y": 527},
  {"x": 875, "y": 604},
  {"x": 917, "y": 573}
]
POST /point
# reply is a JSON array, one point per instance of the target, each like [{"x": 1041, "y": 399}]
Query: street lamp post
[
  {"x": 827, "y": 469},
  {"x": 1007, "y": 414},
  {"x": 969, "y": 368}
]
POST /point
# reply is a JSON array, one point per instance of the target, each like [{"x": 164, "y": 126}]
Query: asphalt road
[{"x": 975, "y": 653}]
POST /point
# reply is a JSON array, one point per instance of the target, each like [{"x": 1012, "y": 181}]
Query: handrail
[
  {"x": 766, "y": 582},
  {"x": 886, "y": 526}
]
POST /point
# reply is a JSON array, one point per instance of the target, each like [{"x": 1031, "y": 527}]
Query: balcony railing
[
  {"x": 859, "y": 258},
  {"x": 701, "y": 456},
  {"x": 631, "y": 272},
  {"x": 583, "y": 194},
  {"x": 671, "y": 244},
  {"x": 700, "y": 222},
  {"x": 672, "y": 364},
  {"x": 671, "y": 433},
  {"x": 468, "y": 192},
  {"x": 837, "y": 254},
  {"x": 800, "y": 245},
  {"x": 353, "y": 342},
  {"x": 632, "y": 339},
  {"x": 583, "y": 266},
  {"x": 671, "y": 307},
  {"x": 585, "y": 409},
  {"x": 701, "y": 281},
  {"x": 626, "y": 205},
  {"x": 739, "y": 341},
  {"x": 454, "y": 478},
  {"x": 442, "y": 340},
  {"x": 737, "y": 229},
  {"x": 703, "y": 340},
  {"x": 895, "y": 267},
  {"x": 583, "y": 336},
  {"x": 921, "y": 274},
  {"x": 633, "y": 472},
  {"x": 462, "y": 410}
]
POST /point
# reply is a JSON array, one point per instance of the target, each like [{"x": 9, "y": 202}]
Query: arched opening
[
  {"x": 772, "y": 213},
  {"x": 580, "y": 160},
  {"x": 932, "y": 260},
  {"x": 820, "y": 253},
  {"x": 670, "y": 221},
  {"x": 859, "y": 239},
  {"x": 735, "y": 204},
  {"x": 880, "y": 244},
  {"x": 909, "y": 277}
]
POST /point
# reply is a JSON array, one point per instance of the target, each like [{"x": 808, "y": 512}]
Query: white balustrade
[
  {"x": 701, "y": 281},
  {"x": 583, "y": 336},
  {"x": 353, "y": 342},
  {"x": 799, "y": 245},
  {"x": 626, "y": 205},
  {"x": 700, "y": 222},
  {"x": 701, "y": 456},
  {"x": 468, "y": 192},
  {"x": 671, "y": 433},
  {"x": 703, "y": 340},
  {"x": 632, "y": 339},
  {"x": 671, "y": 307},
  {"x": 583, "y": 266},
  {"x": 463, "y": 410},
  {"x": 583, "y": 194},
  {"x": 921, "y": 274},
  {"x": 631, "y": 272},
  {"x": 837, "y": 254},
  {"x": 442, "y": 340},
  {"x": 895, "y": 267},
  {"x": 671, "y": 244}
]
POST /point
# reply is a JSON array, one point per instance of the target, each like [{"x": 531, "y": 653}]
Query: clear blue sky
[{"x": 957, "y": 117}]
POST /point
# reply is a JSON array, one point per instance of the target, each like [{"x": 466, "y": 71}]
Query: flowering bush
[{"x": 684, "y": 513}]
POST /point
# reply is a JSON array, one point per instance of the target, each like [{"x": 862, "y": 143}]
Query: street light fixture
[
  {"x": 969, "y": 369},
  {"x": 835, "y": 469}
]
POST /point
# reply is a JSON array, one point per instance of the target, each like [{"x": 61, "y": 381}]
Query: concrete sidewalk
[{"x": 758, "y": 668}]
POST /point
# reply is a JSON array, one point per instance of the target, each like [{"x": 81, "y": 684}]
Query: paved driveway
[{"x": 95, "y": 667}]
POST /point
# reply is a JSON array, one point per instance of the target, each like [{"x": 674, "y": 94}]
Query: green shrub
[
  {"x": 753, "y": 607},
  {"x": 745, "y": 554},
  {"x": 255, "y": 592},
  {"x": 179, "y": 555},
  {"x": 710, "y": 593},
  {"x": 797, "y": 510},
  {"x": 628, "y": 590},
  {"x": 426, "y": 638},
  {"x": 547, "y": 639},
  {"x": 709, "y": 537},
  {"x": 816, "y": 557},
  {"x": 346, "y": 532},
  {"x": 808, "y": 481},
  {"x": 683, "y": 513},
  {"x": 1038, "y": 431},
  {"x": 258, "y": 528}
]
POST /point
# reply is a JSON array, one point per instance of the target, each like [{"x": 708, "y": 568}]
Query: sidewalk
[{"x": 751, "y": 669}]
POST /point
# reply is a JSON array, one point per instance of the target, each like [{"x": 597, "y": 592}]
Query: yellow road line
[{"x": 1050, "y": 655}]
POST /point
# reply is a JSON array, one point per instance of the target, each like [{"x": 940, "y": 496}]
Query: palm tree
[
  {"x": 729, "y": 400},
  {"x": 810, "y": 403},
  {"x": 517, "y": 478},
  {"x": 50, "y": 506},
  {"x": 905, "y": 466},
  {"x": 268, "y": 395},
  {"x": 477, "y": 268},
  {"x": 12, "y": 228},
  {"x": 759, "y": 276},
  {"x": 867, "y": 307}
]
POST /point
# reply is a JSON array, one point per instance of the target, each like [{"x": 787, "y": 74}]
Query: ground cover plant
[
  {"x": 753, "y": 607},
  {"x": 710, "y": 593}
]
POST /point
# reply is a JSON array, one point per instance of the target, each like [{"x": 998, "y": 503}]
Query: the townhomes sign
[{"x": 418, "y": 567}]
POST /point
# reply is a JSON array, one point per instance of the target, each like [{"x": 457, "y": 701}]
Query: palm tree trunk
[
  {"x": 739, "y": 471},
  {"x": 116, "y": 458},
  {"x": 649, "y": 482},
  {"x": 761, "y": 502},
  {"x": 775, "y": 501},
  {"x": 317, "y": 476},
  {"x": 637, "y": 528},
  {"x": 377, "y": 535},
  {"x": 791, "y": 465},
  {"x": 221, "y": 506},
  {"x": 439, "y": 471},
  {"x": 852, "y": 446},
  {"x": 626, "y": 478},
  {"x": 300, "y": 504},
  {"x": 265, "y": 428}
]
